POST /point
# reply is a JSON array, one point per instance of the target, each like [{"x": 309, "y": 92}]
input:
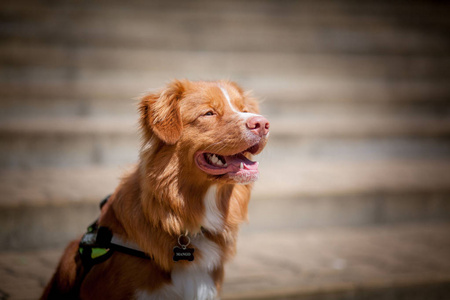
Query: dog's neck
[
  {"x": 170, "y": 198},
  {"x": 165, "y": 202}
]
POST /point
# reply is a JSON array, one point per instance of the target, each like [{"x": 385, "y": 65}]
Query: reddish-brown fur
[{"x": 162, "y": 198}]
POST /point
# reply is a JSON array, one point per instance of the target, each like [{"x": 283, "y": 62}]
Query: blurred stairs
[{"x": 357, "y": 94}]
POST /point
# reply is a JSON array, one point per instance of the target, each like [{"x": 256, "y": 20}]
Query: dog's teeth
[
  {"x": 214, "y": 159},
  {"x": 242, "y": 165}
]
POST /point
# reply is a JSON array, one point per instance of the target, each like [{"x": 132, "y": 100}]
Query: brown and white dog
[{"x": 194, "y": 178}]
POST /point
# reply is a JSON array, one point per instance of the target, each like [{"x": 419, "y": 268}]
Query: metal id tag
[{"x": 183, "y": 252}]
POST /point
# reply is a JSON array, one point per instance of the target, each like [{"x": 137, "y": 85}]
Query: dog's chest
[{"x": 193, "y": 280}]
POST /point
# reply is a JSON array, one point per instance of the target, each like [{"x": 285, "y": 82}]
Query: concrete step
[
  {"x": 51, "y": 206},
  {"x": 69, "y": 142},
  {"x": 386, "y": 262},
  {"x": 110, "y": 141},
  {"x": 323, "y": 8},
  {"x": 351, "y": 29},
  {"x": 366, "y": 125},
  {"x": 44, "y": 55},
  {"x": 314, "y": 11},
  {"x": 408, "y": 261},
  {"x": 331, "y": 192},
  {"x": 50, "y": 92}
]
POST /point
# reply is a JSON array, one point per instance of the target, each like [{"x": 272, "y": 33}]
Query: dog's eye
[{"x": 209, "y": 113}]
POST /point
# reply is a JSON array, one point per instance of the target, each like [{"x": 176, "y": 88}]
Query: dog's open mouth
[{"x": 237, "y": 166}]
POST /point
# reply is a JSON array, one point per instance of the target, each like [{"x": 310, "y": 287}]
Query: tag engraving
[{"x": 183, "y": 254}]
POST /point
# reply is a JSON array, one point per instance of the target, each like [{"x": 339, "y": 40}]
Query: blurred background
[{"x": 353, "y": 200}]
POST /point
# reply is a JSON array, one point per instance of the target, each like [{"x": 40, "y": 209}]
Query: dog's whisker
[{"x": 212, "y": 145}]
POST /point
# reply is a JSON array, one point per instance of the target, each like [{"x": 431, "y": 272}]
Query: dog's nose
[{"x": 258, "y": 125}]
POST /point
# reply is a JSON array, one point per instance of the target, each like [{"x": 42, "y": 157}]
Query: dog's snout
[{"x": 258, "y": 125}]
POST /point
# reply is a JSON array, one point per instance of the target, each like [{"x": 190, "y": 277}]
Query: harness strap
[
  {"x": 99, "y": 243},
  {"x": 125, "y": 247}
]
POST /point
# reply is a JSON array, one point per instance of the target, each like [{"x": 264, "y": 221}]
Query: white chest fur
[
  {"x": 213, "y": 218},
  {"x": 194, "y": 281}
]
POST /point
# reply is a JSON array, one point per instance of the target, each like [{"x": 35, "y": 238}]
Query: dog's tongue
[
  {"x": 242, "y": 169},
  {"x": 239, "y": 162}
]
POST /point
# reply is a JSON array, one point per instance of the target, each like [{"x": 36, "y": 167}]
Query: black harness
[{"x": 97, "y": 244}]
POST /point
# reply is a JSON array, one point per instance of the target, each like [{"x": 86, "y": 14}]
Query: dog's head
[{"x": 214, "y": 127}]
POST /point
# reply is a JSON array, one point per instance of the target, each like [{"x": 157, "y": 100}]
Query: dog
[{"x": 182, "y": 205}]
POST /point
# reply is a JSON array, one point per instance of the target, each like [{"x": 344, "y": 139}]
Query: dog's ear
[{"x": 160, "y": 113}]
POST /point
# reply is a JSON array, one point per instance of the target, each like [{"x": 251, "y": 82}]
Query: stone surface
[
  {"x": 50, "y": 206},
  {"x": 357, "y": 93},
  {"x": 409, "y": 261}
]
